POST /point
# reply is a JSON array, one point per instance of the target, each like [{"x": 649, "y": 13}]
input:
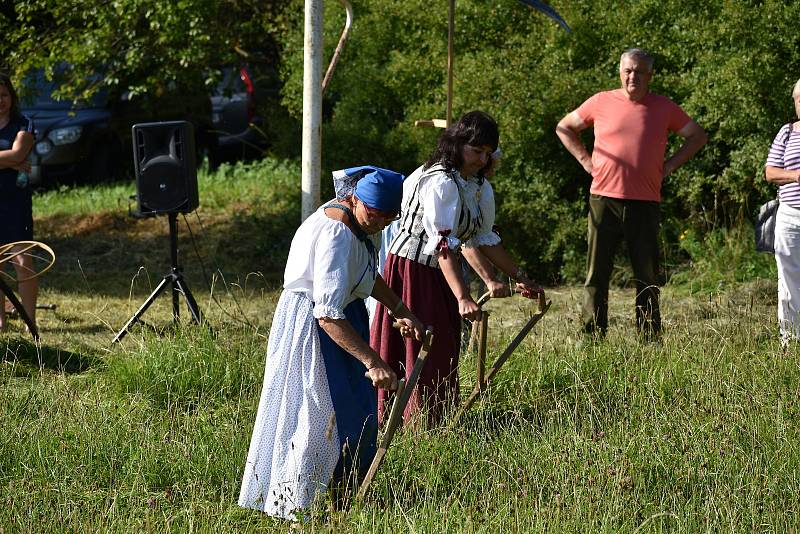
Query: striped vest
[{"x": 410, "y": 238}]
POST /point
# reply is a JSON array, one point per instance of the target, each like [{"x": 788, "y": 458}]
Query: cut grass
[{"x": 697, "y": 433}]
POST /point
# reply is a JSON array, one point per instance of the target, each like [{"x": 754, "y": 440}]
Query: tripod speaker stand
[
  {"x": 173, "y": 278},
  {"x": 166, "y": 183}
]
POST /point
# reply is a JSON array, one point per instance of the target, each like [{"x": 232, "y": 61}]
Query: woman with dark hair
[
  {"x": 447, "y": 203},
  {"x": 16, "y": 203}
]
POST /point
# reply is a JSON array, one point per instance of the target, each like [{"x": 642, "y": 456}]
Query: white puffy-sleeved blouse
[
  {"x": 329, "y": 264},
  {"x": 440, "y": 205}
]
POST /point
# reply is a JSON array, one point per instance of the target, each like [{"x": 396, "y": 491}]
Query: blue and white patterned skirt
[{"x": 315, "y": 403}]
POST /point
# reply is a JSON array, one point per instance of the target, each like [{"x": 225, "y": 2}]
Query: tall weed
[
  {"x": 723, "y": 256},
  {"x": 193, "y": 368}
]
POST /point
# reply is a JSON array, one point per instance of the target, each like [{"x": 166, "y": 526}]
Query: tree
[
  {"x": 731, "y": 65},
  {"x": 139, "y": 46}
]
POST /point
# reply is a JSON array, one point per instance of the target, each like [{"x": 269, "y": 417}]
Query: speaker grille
[{"x": 166, "y": 176}]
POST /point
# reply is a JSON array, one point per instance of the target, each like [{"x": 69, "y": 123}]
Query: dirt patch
[
  {"x": 104, "y": 249},
  {"x": 80, "y": 225},
  {"x": 107, "y": 224}
]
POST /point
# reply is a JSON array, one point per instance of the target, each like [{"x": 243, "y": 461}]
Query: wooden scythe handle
[
  {"x": 476, "y": 325},
  {"x": 501, "y": 360},
  {"x": 480, "y": 371},
  {"x": 396, "y": 414}
]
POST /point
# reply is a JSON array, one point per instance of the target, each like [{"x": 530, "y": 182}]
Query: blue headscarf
[{"x": 378, "y": 188}]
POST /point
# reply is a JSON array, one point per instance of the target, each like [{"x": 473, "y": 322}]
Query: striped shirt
[{"x": 785, "y": 154}]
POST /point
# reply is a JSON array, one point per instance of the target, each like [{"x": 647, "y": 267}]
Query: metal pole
[
  {"x": 451, "y": 58},
  {"x": 312, "y": 107},
  {"x": 176, "y": 270}
]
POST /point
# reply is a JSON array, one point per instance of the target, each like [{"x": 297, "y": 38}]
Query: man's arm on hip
[
  {"x": 567, "y": 130},
  {"x": 695, "y": 137}
]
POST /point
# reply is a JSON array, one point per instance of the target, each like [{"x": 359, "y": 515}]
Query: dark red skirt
[{"x": 425, "y": 291}]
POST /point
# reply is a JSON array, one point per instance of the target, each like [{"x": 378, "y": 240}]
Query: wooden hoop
[{"x": 7, "y": 253}]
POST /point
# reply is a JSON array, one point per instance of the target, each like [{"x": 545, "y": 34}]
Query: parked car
[
  {"x": 91, "y": 140},
  {"x": 240, "y": 130}
]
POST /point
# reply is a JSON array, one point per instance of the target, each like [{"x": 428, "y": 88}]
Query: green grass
[
  {"x": 698, "y": 433},
  {"x": 722, "y": 257},
  {"x": 230, "y": 185}
]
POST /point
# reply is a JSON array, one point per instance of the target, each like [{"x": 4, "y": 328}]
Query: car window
[
  {"x": 37, "y": 93},
  {"x": 230, "y": 83}
]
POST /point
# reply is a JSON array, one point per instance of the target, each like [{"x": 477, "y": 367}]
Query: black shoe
[
  {"x": 651, "y": 335},
  {"x": 592, "y": 330}
]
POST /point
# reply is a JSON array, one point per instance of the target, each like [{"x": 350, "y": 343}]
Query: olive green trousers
[{"x": 612, "y": 220}]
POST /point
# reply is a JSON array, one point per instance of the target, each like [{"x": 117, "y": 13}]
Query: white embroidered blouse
[
  {"x": 330, "y": 265},
  {"x": 440, "y": 205}
]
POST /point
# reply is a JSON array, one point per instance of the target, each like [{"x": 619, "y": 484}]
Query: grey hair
[
  {"x": 640, "y": 54},
  {"x": 796, "y": 90}
]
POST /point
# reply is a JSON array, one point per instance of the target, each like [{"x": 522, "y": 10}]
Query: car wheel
[
  {"x": 214, "y": 159},
  {"x": 106, "y": 163},
  {"x": 207, "y": 146}
]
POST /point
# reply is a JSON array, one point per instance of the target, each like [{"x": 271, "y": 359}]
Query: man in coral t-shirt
[{"x": 631, "y": 126}]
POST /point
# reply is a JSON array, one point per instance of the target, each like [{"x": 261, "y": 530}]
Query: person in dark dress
[
  {"x": 16, "y": 204},
  {"x": 447, "y": 204}
]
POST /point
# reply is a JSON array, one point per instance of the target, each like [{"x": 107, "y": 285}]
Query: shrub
[{"x": 712, "y": 58}]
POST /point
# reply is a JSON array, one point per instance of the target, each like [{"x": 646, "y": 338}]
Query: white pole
[{"x": 312, "y": 107}]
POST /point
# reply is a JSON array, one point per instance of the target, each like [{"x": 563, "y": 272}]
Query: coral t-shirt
[{"x": 630, "y": 139}]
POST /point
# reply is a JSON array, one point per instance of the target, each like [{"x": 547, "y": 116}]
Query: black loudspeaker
[{"x": 164, "y": 163}]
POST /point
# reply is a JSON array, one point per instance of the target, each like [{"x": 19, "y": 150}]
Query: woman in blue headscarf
[{"x": 317, "y": 419}]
